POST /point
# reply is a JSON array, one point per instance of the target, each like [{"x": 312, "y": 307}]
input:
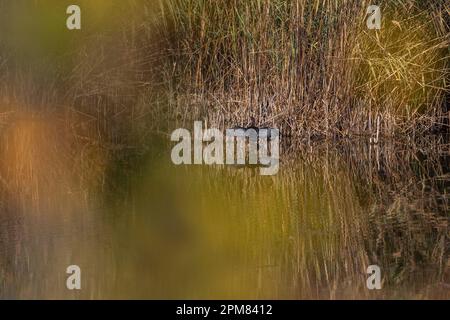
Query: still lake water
[{"x": 149, "y": 229}]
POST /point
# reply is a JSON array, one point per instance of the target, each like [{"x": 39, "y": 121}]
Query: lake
[{"x": 140, "y": 227}]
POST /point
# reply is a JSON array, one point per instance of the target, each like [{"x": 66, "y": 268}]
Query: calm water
[{"x": 140, "y": 227}]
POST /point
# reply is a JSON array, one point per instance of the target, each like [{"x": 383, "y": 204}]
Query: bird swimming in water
[{"x": 252, "y": 126}]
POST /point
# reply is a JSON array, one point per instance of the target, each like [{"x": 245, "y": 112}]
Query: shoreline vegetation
[
  {"x": 85, "y": 118},
  {"x": 312, "y": 69},
  {"x": 143, "y": 68}
]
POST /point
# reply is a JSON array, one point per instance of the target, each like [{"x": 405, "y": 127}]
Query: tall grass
[
  {"x": 98, "y": 79},
  {"x": 312, "y": 68}
]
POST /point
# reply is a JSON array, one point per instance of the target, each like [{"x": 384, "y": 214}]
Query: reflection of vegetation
[
  {"x": 76, "y": 109},
  {"x": 410, "y": 219},
  {"x": 228, "y": 232},
  {"x": 200, "y": 232}
]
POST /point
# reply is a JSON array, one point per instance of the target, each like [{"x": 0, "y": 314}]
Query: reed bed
[{"x": 312, "y": 68}]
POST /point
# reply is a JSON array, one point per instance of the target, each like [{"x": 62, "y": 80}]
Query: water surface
[{"x": 145, "y": 228}]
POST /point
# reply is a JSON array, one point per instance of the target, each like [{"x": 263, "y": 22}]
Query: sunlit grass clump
[{"x": 403, "y": 68}]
